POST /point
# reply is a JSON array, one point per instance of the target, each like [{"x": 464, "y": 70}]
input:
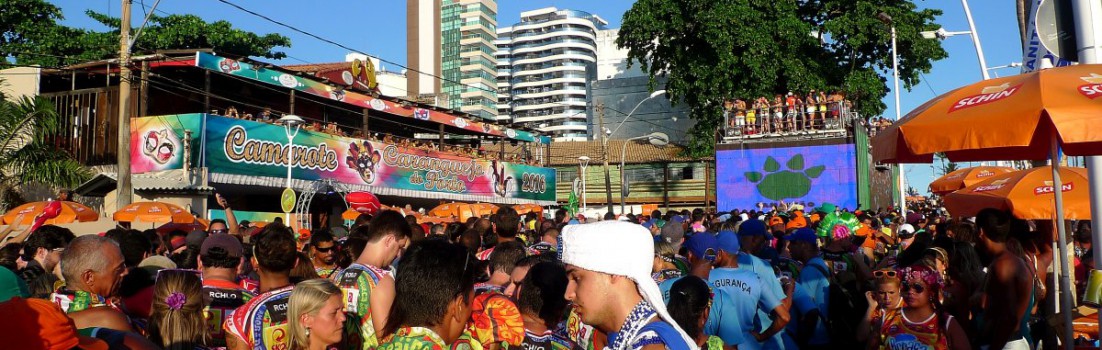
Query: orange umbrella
[
  {"x": 962, "y": 178},
  {"x": 463, "y": 210},
  {"x": 350, "y": 214},
  {"x": 446, "y": 210},
  {"x": 153, "y": 212},
  {"x": 198, "y": 224},
  {"x": 480, "y": 209},
  {"x": 70, "y": 212},
  {"x": 1027, "y": 194},
  {"x": 528, "y": 208},
  {"x": 1003, "y": 118}
]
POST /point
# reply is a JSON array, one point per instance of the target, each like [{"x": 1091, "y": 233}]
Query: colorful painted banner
[
  {"x": 807, "y": 175},
  {"x": 317, "y": 88},
  {"x": 157, "y": 143},
  {"x": 250, "y": 216},
  {"x": 236, "y": 146}
]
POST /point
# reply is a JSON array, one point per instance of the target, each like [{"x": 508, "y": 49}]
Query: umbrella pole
[{"x": 1061, "y": 237}]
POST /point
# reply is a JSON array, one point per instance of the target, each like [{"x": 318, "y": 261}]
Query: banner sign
[
  {"x": 807, "y": 175},
  {"x": 1034, "y": 52},
  {"x": 250, "y": 216},
  {"x": 236, "y": 146},
  {"x": 157, "y": 143},
  {"x": 274, "y": 77}
]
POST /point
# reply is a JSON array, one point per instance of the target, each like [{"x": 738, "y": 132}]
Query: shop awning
[{"x": 103, "y": 183}]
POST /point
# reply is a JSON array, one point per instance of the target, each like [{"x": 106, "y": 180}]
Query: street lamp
[
  {"x": 291, "y": 125},
  {"x": 583, "y": 162},
  {"x": 656, "y": 138},
  {"x": 604, "y": 145},
  {"x": 887, "y": 19},
  {"x": 1011, "y": 65}
]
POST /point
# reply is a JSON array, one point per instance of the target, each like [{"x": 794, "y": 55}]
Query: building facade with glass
[
  {"x": 544, "y": 66},
  {"x": 468, "y": 29}
]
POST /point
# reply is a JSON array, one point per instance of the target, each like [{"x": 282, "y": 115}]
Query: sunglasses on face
[
  {"x": 219, "y": 231},
  {"x": 917, "y": 288},
  {"x": 885, "y": 273},
  {"x": 326, "y": 249}
]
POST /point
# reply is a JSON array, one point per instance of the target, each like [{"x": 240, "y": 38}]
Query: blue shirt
[
  {"x": 772, "y": 285},
  {"x": 748, "y": 295},
  {"x": 817, "y": 286},
  {"x": 801, "y": 305}
]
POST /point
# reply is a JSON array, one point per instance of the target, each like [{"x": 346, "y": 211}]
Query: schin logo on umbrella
[
  {"x": 987, "y": 95},
  {"x": 1093, "y": 88},
  {"x": 1048, "y": 188},
  {"x": 985, "y": 173},
  {"x": 994, "y": 185}
]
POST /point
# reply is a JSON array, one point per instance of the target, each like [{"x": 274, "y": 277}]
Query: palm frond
[{"x": 43, "y": 164}]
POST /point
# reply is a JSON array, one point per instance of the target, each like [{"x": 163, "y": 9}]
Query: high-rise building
[
  {"x": 450, "y": 51},
  {"x": 545, "y": 64}
]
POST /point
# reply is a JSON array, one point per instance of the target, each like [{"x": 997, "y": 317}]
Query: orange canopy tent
[
  {"x": 528, "y": 208},
  {"x": 153, "y": 212},
  {"x": 962, "y": 178},
  {"x": 462, "y": 211},
  {"x": 1002, "y": 119},
  {"x": 1027, "y": 194},
  {"x": 70, "y": 212}
]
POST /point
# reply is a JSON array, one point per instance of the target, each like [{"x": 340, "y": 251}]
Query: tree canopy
[
  {"x": 711, "y": 50},
  {"x": 30, "y": 32}
]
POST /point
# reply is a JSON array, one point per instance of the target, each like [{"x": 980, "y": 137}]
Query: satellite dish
[{"x": 1055, "y": 25}]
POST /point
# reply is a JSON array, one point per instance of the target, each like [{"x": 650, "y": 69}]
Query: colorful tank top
[
  {"x": 899, "y": 333},
  {"x": 262, "y": 322},
  {"x": 495, "y": 319},
  {"x": 220, "y": 305},
  {"x": 413, "y": 338},
  {"x": 546, "y": 341},
  {"x": 72, "y": 301},
  {"x": 578, "y": 332},
  {"x": 325, "y": 272},
  {"x": 356, "y": 283}
]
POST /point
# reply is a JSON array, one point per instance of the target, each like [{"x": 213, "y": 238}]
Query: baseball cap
[
  {"x": 228, "y": 243},
  {"x": 39, "y": 324},
  {"x": 914, "y": 218},
  {"x": 826, "y": 208},
  {"x": 158, "y": 262},
  {"x": 728, "y": 241},
  {"x": 805, "y": 235},
  {"x": 195, "y": 238},
  {"x": 753, "y": 227},
  {"x": 703, "y": 245},
  {"x": 906, "y": 229}
]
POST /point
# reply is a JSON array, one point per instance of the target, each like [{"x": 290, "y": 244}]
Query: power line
[{"x": 334, "y": 43}]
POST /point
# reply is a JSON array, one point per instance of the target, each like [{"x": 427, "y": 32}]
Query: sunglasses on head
[
  {"x": 889, "y": 273},
  {"x": 917, "y": 288}
]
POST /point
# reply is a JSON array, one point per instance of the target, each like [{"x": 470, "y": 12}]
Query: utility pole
[
  {"x": 604, "y": 154},
  {"x": 124, "y": 191}
]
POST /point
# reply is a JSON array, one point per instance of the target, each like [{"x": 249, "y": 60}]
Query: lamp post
[
  {"x": 1011, "y": 65},
  {"x": 291, "y": 125},
  {"x": 604, "y": 147},
  {"x": 887, "y": 19},
  {"x": 656, "y": 138},
  {"x": 583, "y": 162}
]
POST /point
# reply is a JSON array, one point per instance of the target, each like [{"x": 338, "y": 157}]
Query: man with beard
[
  {"x": 323, "y": 253},
  {"x": 1008, "y": 290},
  {"x": 43, "y": 251}
]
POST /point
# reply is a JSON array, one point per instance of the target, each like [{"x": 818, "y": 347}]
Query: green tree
[
  {"x": 713, "y": 50},
  {"x": 26, "y": 154},
  {"x": 946, "y": 166},
  {"x": 31, "y": 34}
]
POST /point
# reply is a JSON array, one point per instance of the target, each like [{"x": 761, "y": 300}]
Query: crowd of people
[
  {"x": 791, "y": 113},
  {"x": 267, "y": 116},
  {"x": 787, "y": 277}
]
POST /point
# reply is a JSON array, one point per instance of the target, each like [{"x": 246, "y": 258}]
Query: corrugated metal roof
[
  {"x": 567, "y": 153},
  {"x": 105, "y": 182}
]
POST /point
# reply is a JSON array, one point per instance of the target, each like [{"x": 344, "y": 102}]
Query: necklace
[{"x": 640, "y": 315}]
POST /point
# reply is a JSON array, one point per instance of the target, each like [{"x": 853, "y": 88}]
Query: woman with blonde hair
[
  {"x": 177, "y": 321},
  {"x": 315, "y": 314}
]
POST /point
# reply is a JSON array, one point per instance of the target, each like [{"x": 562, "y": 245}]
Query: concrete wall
[{"x": 20, "y": 81}]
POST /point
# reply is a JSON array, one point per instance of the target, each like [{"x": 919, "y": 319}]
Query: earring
[{"x": 307, "y": 332}]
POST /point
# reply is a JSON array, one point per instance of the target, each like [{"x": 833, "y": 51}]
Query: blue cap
[
  {"x": 728, "y": 241},
  {"x": 753, "y": 227},
  {"x": 677, "y": 218},
  {"x": 703, "y": 245},
  {"x": 805, "y": 235}
]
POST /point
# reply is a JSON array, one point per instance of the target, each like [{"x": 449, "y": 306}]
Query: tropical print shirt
[
  {"x": 413, "y": 338},
  {"x": 356, "y": 283},
  {"x": 495, "y": 319}
]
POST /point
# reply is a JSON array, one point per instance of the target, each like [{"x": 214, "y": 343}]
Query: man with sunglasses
[
  {"x": 220, "y": 257},
  {"x": 367, "y": 285},
  {"x": 323, "y": 253},
  {"x": 43, "y": 250}
]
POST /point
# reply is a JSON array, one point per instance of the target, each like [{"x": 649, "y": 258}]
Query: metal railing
[{"x": 787, "y": 120}]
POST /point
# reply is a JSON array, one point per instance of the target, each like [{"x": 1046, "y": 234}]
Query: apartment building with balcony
[
  {"x": 545, "y": 64},
  {"x": 450, "y": 53}
]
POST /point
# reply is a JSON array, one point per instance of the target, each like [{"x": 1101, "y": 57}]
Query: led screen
[{"x": 809, "y": 175}]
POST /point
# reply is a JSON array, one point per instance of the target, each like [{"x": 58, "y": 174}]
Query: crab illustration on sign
[{"x": 777, "y": 184}]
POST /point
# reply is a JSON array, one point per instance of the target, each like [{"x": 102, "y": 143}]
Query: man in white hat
[{"x": 608, "y": 265}]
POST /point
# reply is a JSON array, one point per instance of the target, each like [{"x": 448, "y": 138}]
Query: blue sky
[{"x": 378, "y": 28}]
